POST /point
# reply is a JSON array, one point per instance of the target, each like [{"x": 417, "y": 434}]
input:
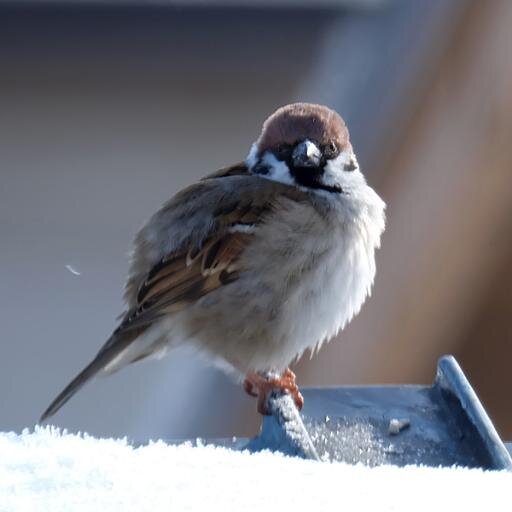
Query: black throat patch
[{"x": 311, "y": 177}]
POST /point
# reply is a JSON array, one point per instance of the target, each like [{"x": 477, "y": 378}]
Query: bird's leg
[{"x": 262, "y": 386}]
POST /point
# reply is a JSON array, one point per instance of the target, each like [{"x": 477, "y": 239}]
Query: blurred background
[{"x": 107, "y": 108}]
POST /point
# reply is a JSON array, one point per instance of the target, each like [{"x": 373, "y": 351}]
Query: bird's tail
[{"x": 112, "y": 348}]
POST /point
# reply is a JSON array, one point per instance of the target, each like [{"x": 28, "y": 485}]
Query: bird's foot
[{"x": 262, "y": 386}]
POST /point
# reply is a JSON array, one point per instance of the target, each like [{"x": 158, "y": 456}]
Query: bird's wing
[
  {"x": 220, "y": 214},
  {"x": 184, "y": 276}
]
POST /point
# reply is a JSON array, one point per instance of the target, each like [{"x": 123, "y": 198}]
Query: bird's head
[{"x": 305, "y": 145}]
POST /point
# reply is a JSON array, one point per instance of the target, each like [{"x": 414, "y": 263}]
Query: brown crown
[{"x": 298, "y": 121}]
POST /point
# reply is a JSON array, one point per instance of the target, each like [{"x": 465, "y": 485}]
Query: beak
[{"x": 306, "y": 154}]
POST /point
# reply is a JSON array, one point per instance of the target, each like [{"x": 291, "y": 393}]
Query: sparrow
[{"x": 255, "y": 263}]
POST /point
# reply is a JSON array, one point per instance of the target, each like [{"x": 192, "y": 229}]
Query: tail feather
[
  {"x": 84, "y": 376},
  {"x": 112, "y": 348}
]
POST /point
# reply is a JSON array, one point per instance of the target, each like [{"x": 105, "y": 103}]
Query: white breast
[
  {"x": 329, "y": 295},
  {"x": 336, "y": 257}
]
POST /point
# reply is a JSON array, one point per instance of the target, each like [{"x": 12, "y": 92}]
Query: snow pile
[{"x": 51, "y": 471}]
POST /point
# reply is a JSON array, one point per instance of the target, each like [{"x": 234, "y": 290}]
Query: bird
[{"x": 256, "y": 263}]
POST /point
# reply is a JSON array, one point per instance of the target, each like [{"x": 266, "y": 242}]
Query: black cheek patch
[{"x": 260, "y": 169}]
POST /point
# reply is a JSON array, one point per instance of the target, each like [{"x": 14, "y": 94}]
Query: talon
[
  {"x": 249, "y": 387},
  {"x": 298, "y": 399},
  {"x": 263, "y": 405},
  {"x": 265, "y": 386}
]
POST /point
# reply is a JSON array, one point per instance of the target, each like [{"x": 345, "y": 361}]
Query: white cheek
[
  {"x": 334, "y": 170},
  {"x": 252, "y": 158},
  {"x": 277, "y": 170}
]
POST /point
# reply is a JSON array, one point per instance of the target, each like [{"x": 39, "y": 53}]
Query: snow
[{"x": 49, "y": 470}]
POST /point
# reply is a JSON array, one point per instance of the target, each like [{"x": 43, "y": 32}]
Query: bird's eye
[
  {"x": 283, "y": 151},
  {"x": 330, "y": 150}
]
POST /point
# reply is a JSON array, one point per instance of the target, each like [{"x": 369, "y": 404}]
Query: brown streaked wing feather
[
  {"x": 190, "y": 279},
  {"x": 182, "y": 279}
]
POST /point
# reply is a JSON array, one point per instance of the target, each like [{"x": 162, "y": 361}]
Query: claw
[
  {"x": 249, "y": 387},
  {"x": 266, "y": 385}
]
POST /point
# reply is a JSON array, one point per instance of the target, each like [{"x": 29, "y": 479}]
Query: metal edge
[{"x": 451, "y": 378}]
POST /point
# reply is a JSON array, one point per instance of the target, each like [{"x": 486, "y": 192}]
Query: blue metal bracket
[{"x": 440, "y": 425}]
